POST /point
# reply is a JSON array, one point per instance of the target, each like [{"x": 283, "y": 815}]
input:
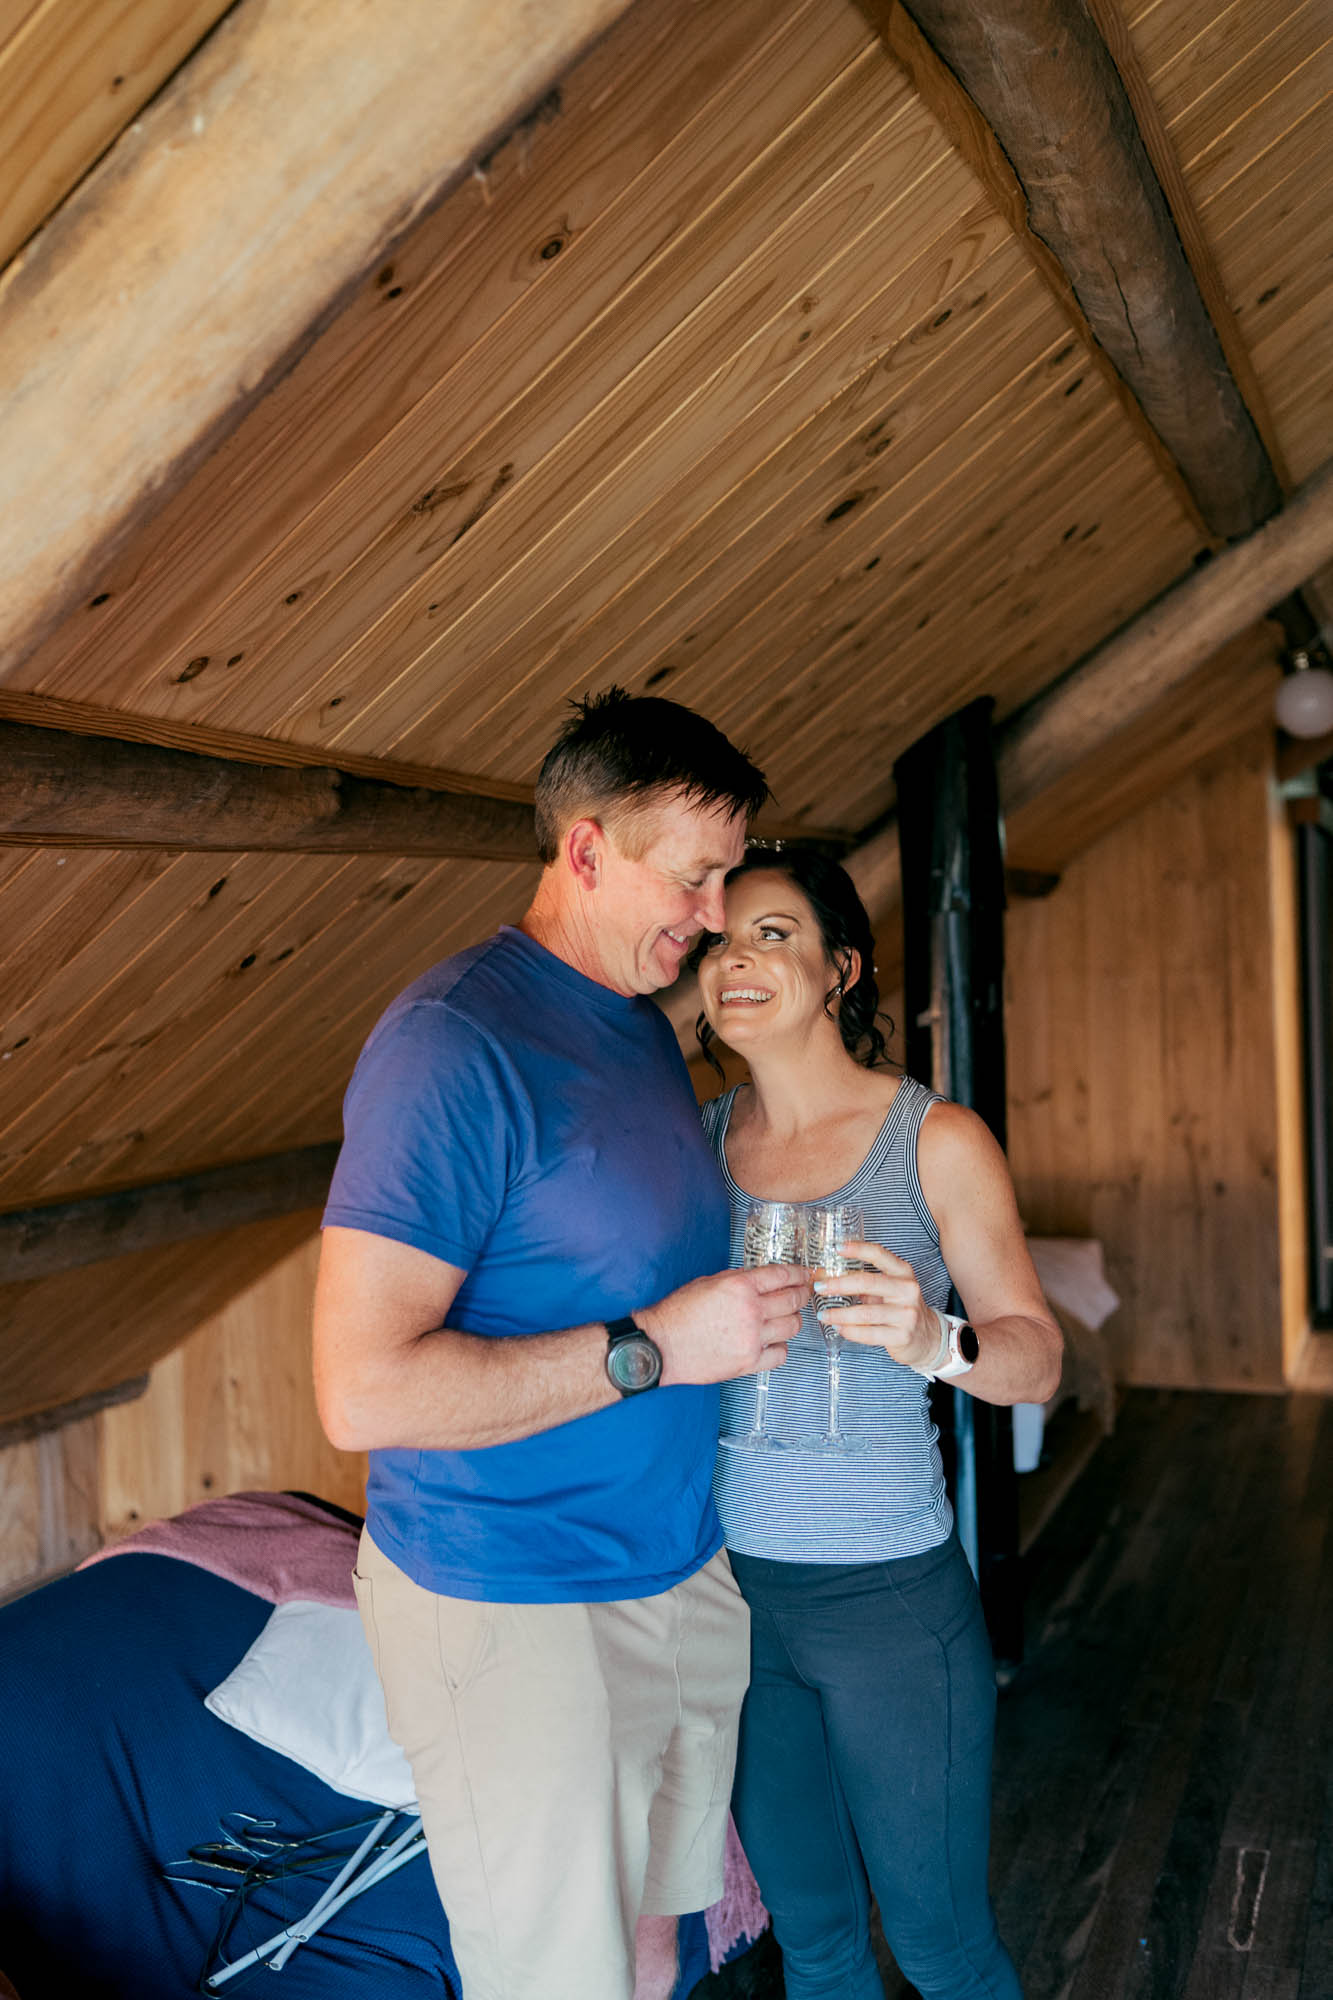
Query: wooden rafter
[
  {"x": 289, "y": 153},
  {"x": 1165, "y": 643},
  {"x": 1030, "y": 93},
  {"x": 74, "y": 774},
  {"x": 71, "y": 79},
  {"x": 21, "y": 1430},
  {"x": 1166, "y": 165},
  {"x": 86, "y": 718},
  {"x": 90, "y": 791},
  {"x": 37, "y": 1242}
]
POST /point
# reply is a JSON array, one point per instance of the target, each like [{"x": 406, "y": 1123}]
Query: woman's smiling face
[{"x": 767, "y": 973}]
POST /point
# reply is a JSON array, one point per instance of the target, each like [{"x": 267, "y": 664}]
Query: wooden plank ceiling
[{"x": 722, "y": 377}]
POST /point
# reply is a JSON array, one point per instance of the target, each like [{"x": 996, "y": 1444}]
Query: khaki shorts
[{"x": 573, "y": 1764}]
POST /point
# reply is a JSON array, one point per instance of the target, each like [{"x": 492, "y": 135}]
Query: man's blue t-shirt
[{"x": 521, "y": 1121}]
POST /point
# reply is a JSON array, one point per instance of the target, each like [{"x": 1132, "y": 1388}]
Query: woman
[{"x": 867, "y": 1731}]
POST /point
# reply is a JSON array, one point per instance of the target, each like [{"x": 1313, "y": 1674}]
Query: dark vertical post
[
  {"x": 951, "y": 841},
  {"x": 1314, "y": 860}
]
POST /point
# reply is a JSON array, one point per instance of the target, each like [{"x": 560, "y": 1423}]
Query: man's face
[{"x": 649, "y": 910}]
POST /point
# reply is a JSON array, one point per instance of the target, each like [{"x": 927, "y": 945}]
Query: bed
[{"x": 145, "y": 1843}]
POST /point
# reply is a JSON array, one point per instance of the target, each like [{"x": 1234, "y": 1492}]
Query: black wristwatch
[{"x": 633, "y": 1362}]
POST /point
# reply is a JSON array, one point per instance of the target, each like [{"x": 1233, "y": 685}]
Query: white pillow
[{"x": 307, "y": 1688}]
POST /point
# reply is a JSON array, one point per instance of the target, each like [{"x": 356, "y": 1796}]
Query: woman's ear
[{"x": 849, "y": 970}]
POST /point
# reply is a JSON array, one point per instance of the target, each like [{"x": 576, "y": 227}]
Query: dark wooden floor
[{"x": 1163, "y": 1825}]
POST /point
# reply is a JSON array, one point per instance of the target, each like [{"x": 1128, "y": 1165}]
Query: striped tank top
[{"x": 888, "y": 1500}]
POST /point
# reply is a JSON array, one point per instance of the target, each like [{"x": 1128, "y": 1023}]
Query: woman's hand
[{"x": 890, "y": 1312}]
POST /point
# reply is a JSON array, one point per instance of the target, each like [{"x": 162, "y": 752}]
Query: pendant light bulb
[{"x": 1304, "y": 701}]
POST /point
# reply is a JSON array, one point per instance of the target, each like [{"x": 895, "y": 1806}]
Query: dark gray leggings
[{"x": 865, "y": 1752}]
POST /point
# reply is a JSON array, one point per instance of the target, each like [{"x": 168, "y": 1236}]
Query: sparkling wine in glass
[
  {"x": 774, "y": 1234},
  {"x": 827, "y": 1231}
]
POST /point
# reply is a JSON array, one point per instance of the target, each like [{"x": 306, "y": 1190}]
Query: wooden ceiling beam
[
  {"x": 38, "y": 1242},
  {"x": 1030, "y": 93},
  {"x": 71, "y": 79},
  {"x": 1165, "y": 643},
  {"x": 76, "y": 775},
  {"x": 21, "y": 1430},
  {"x": 1110, "y": 20},
  {"x": 87, "y": 718},
  {"x": 218, "y": 235},
  {"x": 67, "y": 790}
]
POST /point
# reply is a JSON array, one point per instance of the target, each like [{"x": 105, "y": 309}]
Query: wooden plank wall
[
  {"x": 231, "y": 1408},
  {"x": 48, "y": 1504},
  {"x": 1143, "y": 1078}
]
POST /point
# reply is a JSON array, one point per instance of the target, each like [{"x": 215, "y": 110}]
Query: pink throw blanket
[
  {"x": 740, "y": 1915},
  {"x": 273, "y": 1544}
]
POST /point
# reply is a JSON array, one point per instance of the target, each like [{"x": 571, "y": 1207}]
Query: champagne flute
[
  {"x": 827, "y": 1231},
  {"x": 774, "y": 1234}
]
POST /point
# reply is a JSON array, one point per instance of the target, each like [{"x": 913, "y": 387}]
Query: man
[{"x": 522, "y": 1302}]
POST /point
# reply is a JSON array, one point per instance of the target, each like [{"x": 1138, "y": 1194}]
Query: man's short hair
[{"x": 621, "y": 753}]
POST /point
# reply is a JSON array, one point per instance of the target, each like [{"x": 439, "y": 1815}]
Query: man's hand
[{"x": 727, "y": 1325}]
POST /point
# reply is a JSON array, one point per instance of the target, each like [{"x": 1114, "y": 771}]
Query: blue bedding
[{"x": 114, "y": 1767}]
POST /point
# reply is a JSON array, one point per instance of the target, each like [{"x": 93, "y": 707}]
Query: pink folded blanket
[{"x": 273, "y": 1544}]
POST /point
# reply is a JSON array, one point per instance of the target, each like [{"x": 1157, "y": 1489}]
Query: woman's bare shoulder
[{"x": 954, "y": 1138}]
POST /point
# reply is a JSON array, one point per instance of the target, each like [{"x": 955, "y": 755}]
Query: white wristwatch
[{"x": 958, "y": 1349}]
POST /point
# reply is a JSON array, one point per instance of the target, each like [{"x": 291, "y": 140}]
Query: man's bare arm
[{"x": 389, "y": 1371}]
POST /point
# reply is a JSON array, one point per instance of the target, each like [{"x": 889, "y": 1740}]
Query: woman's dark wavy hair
[{"x": 844, "y": 928}]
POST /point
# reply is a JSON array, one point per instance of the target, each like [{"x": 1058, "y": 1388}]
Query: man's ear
[{"x": 584, "y": 845}]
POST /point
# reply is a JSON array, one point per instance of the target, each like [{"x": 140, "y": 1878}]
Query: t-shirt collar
[{"x": 552, "y": 966}]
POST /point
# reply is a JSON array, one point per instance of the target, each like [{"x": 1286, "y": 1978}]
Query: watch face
[
  {"x": 634, "y": 1364},
  {"x": 968, "y": 1344}
]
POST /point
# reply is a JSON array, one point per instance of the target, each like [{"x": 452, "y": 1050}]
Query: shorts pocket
[
  {"x": 465, "y": 1637},
  {"x": 363, "y": 1589}
]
